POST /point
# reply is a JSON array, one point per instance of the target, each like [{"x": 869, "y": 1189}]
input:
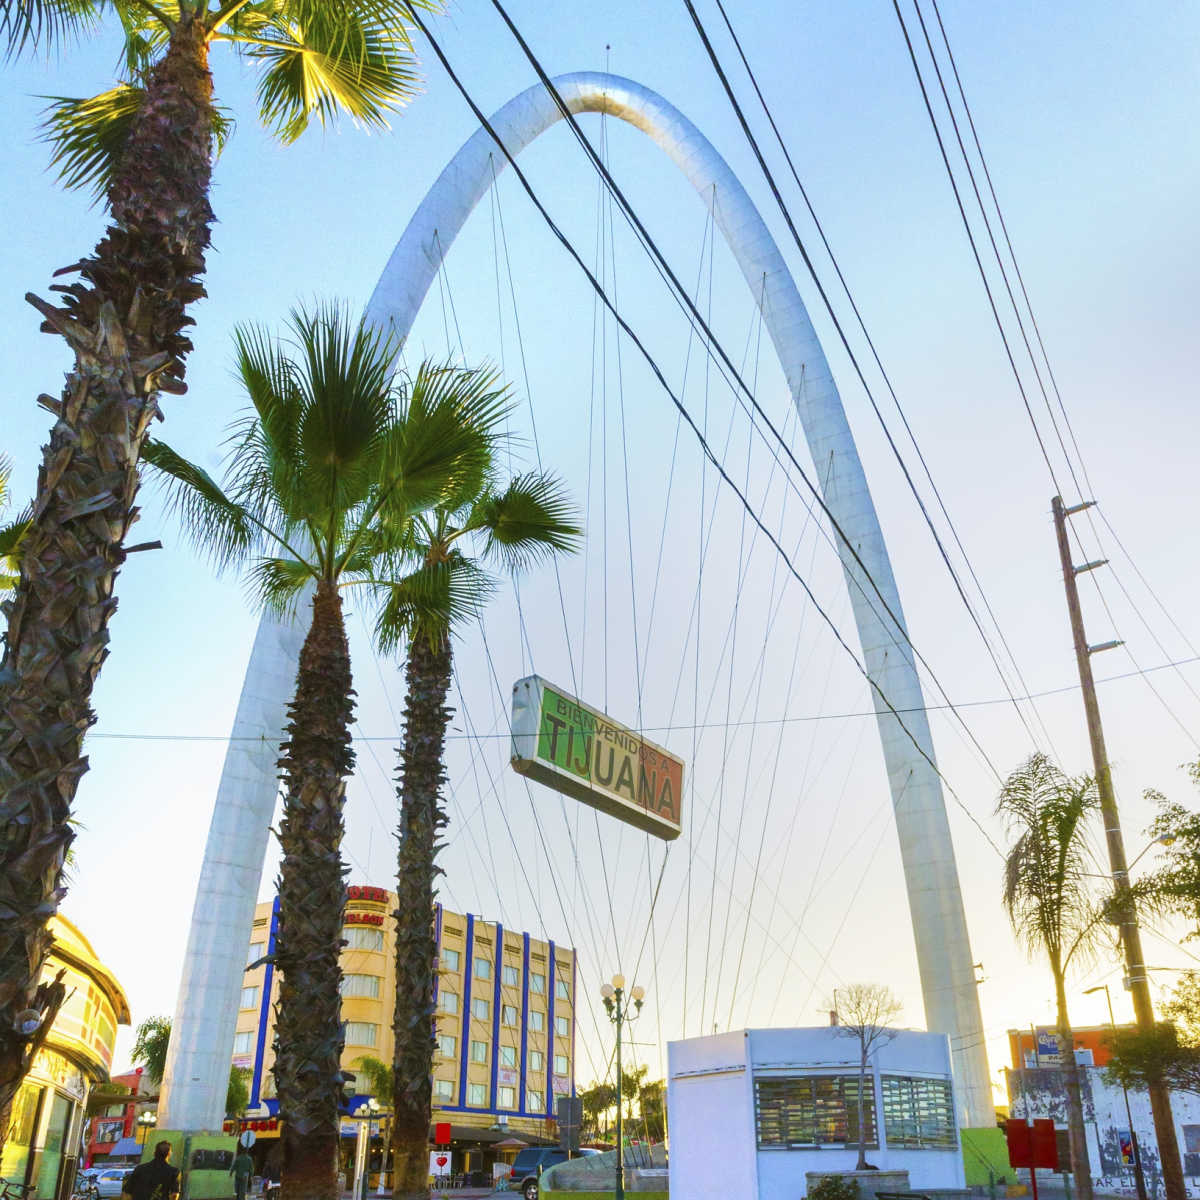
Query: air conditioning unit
[{"x": 1085, "y": 1058}]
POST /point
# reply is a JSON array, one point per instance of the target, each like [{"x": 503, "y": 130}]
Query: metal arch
[{"x": 935, "y": 899}]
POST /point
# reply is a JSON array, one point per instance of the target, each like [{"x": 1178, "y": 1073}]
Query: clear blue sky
[{"x": 1087, "y": 113}]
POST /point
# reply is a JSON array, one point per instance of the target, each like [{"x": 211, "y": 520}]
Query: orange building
[{"x": 1038, "y": 1046}]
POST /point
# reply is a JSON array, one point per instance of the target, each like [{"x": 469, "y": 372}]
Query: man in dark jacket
[{"x": 153, "y": 1180}]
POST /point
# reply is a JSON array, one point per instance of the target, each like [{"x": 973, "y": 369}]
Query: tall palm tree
[
  {"x": 513, "y": 526},
  {"x": 146, "y": 147},
  {"x": 331, "y": 464},
  {"x": 1051, "y": 902},
  {"x": 11, "y": 532}
]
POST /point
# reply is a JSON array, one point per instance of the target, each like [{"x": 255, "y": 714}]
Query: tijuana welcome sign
[{"x": 569, "y": 746}]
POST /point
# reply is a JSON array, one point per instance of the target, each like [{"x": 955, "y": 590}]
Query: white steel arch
[{"x": 207, "y": 1007}]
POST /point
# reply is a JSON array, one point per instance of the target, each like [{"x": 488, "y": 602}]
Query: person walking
[
  {"x": 155, "y": 1179},
  {"x": 242, "y": 1169}
]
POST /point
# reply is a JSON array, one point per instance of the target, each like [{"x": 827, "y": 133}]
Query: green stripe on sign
[{"x": 565, "y": 733}]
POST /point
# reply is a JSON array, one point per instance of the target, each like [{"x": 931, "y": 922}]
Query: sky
[{"x": 787, "y": 879}]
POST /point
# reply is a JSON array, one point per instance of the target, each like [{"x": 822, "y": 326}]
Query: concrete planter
[{"x": 870, "y": 1183}]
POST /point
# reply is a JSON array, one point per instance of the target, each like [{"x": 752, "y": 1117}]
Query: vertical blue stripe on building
[
  {"x": 521, "y": 1106},
  {"x": 496, "y": 1014},
  {"x": 264, "y": 1008},
  {"x": 466, "y": 1013},
  {"x": 548, "y": 1100},
  {"x": 574, "y": 1022},
  {"x": 437, "y": 952}
]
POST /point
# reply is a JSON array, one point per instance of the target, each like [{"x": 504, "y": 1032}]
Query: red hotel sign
[{"x": 373, "y": 894}]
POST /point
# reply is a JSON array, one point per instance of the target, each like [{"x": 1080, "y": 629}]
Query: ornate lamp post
[
  {"x": 146, "y": 1122},
  {"x": 616, "y": 1004}
]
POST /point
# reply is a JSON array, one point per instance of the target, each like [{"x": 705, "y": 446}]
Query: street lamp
[
  {"x": 617, "y": 1006},
  {"x": 146, "y": 1121},
  {"x": 364, "y": 1114},
  {"x": 1163, "y": 839},
  {"x": 1138, "y": 1178}
]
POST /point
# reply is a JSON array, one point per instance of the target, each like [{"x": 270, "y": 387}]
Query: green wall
[{"x": 985, "y": 1156}]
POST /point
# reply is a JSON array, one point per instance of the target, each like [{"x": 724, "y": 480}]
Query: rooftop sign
[{"x": 569, "y": 746}]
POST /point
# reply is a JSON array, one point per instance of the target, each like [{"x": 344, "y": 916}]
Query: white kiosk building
[{"x": 753, "y": 1110}]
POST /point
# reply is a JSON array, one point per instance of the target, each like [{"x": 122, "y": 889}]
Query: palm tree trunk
[
  {"x": 1080, "y": 1167},
  {"x": 422, "y": 774},
  {"x": 316, "y": 762},
  {"x": 124, "y": 321}
]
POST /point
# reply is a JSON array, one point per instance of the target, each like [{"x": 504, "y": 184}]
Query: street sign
[
  {"x": 442, "y": 1133},
  {"x": 573, "y": 748},
  {"x": 248, "y": 1138},
  {"x": 569, "y": 1111}
]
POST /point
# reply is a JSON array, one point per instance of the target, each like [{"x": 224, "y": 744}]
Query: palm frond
[
  {"x": 34, "y": 23},
  {"x": 430, "y": 601},
  {"x": 10, "y": 538},
  {"x": 87, "y": 136},
  {"x": 278, "y": 583},
  {"x": 530, "y": 521},
  {"x": 326, "y": 57},
  {"x": 215, "y": 524}
]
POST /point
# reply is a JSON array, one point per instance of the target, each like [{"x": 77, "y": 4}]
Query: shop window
[
  {"x": 508, "y": 1014},
  {"x": 451, "y": 959},
  {"x": 52, "y": 1148},
  {"x": 918, "y": 1114},
  {"x": 537, "y": 1061},
  {"x": 243, "y": 1043},
  {"x": 506, "y": 1097},
  {"x": 537, "y": 983},
  {"x": 483, "y": 968},
  {"x": 479, "y": 1052},
  {"x": 508, "y": 1056},
  {"x": 477, "y": 1094},
  {"x": 361, "y": 1033},
  {"x": 447, "y": 1045},
  {"x": 212, "y": 1160},
  {"x": 366, "y": 986},
  {"x": 537, "y": 1020},
  {"x": 794, "y": 1111},
  {"x": 448, "y": 1001},
  {"x": 22, "y": 1123},
  {"x": 535, "y": 1101},
  {"x": 562, "y": 1026},
  {"x": 363, "y": 937},
  {"x": 510, "y": 976},
  {"x": 249, "y": 998},
  {"x": 561, "y": 1066},
  {"x": 480, "y": 1009}
]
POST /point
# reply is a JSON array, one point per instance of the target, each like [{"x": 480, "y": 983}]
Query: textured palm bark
[
  {"x": 1081, "y": 1171},
  {"x": 422, "y": 775},
  {"x": 124, "y": 320},
  {"x": 317, "y": 760}
]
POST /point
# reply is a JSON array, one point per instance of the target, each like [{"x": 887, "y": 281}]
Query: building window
[
  {"x": 448, "y": 1001},
  {"x": 477, "y": 1094},
  {"x": 506, "y": 1097},
  {"x": 363, "y": 937},
  {"x": 510, "y": 976},
  {"x": 535, "y": 1101},
  {"x": 508, "y": 1056},
  {"x": 483, "y": 968},
  {"x": 562, "y": 990},
  {"x": 537, "y": 984},
  {"x": 361, "y": 1033},
  {"x": 256, "y": 951},
  {"x": 918, "y": 1114},
  {"x": 562, "y": 1026},
  {"x": 810, "y": 1110},
  {"x": 479, "y": 1052},
  {"x": 480, "y": 1008},
  {"x": 561, "y": 1067},
  {"x": 249, "y": 998},
  {"x": 537, "y": 1020},
  {"x": 537, "y": 1061},
  {"x": 243, "y": 1043},
  {"x": 361, "y": 985},
  {"x": 443, "y": 1089},
  {"x": 450, "y": 960},
  {"x": 508, "y": 1014},
  {"x": 447, "y": 1044}
]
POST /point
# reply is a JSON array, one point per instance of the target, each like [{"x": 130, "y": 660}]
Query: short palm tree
[
  {"x": 146, "y": 147},
  {"x": 511, "y": 525},
  {"x": 1051, "y": 902},
  {"x": 332, "y": 459}
]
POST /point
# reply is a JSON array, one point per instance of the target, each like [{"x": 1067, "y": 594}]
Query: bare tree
[{"x": 865, "y": 1012}]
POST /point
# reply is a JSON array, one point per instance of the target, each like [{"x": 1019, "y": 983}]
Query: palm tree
[
  {"x": 377, "y": 1074},
  {"x": 514, "y": 526},
  {"x": 1051, "y": 902},
  {"x": 146, "y": 147},
  {"x": 150, "y": 1047},
  {"x": 331, "y": 464},
  {"x": 11, "y": 532}
]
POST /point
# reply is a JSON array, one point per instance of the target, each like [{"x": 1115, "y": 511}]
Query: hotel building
[{"x": 505, "y": 1024}]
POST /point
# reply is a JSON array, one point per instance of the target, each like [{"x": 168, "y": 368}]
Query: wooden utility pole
[{"x": 1137, "y": 978}]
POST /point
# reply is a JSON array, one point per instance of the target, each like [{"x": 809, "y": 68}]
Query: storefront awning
[{"x": 127, "y": 1147}]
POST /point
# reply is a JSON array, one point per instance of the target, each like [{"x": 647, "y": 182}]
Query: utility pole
[{"x": 1137, "y": 979}]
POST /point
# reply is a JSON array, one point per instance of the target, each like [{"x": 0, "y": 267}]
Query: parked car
[
  {"x": 109, "y": 1181},
  {"x": 528, "y": 1166}
]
